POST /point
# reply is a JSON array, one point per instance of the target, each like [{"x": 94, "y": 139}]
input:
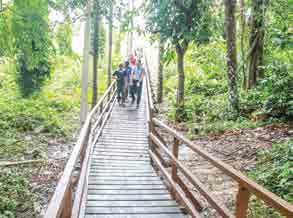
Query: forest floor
[
  {"x": 238, "y": 148},
  {"x": 44, "y": 178}
]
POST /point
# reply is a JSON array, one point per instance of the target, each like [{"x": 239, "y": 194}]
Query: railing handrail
[
  {"x": 148, "y": 85},
  {"x": 56, "y": 204},
  {"x": 270, "y": 198}
]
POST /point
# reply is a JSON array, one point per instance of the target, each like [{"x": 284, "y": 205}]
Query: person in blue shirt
[
  {"x": 128, "y": 71},
  {"x": 137, "y": 80},
  {"x": 120, "y": 76}
]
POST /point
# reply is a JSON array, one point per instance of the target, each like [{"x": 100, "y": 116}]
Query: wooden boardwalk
[
  {"x": 122, "y": 182},
  {"x": 117, "y": 180}
]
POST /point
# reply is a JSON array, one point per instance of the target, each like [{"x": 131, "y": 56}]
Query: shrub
[
  {"x": 274, "y": 170},
  {"x": 14, "y": 193}
]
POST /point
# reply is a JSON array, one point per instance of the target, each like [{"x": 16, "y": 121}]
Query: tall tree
[
  {"x": 256, "y": 42},
  {"x": 32, "y": 44},
  {"x": 110, "y": 19},
  {"x": 96, "y": 21},
  {"x": 179, "y": 22},
  {"x": 231, "y": 53},
  {"x": 85, "y": 64},
  {"x": 160, "y": 72},
  {"x": 242, "y": 37}
]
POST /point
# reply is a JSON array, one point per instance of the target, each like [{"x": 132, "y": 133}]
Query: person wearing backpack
[{"x": 120, "y": 76}]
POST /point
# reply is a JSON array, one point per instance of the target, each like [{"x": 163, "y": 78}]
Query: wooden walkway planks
[{"x": 122, "y": 182}]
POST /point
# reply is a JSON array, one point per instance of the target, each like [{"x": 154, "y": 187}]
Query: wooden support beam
[
  {"x": 173, "y": 165},
  {"x": 66, "y": 213},
  {"x": 242, "y": 202}
]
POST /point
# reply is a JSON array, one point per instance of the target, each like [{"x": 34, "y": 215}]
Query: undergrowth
[
  {"x": 28, "y": 125},
  {"x": 274, "y": 170},
  {"x": 206, "y": 108},
  {"x": 15, "y": 196},
  {"x": 50, "y": 112}
]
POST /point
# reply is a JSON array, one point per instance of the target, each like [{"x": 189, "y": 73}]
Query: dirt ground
[{"x": 44, "y": 177}]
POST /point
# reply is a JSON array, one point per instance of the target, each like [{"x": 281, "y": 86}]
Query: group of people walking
[{"x": 129, "y": 79}]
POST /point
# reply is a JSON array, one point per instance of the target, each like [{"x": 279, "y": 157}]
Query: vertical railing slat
[
  {"x": 242, "y": 202},
  {"x": 175, "y": 148}
]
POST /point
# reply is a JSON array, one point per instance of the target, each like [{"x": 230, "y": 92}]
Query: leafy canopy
[{"x": 179, "y": 22}]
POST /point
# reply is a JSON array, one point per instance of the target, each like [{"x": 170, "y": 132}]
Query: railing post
[
  {"x": 101, "y": 107},
  {"x": 242, "y": 202},
  {"x": 173, "y": 165},
  {"x": 67, "y": 209}
]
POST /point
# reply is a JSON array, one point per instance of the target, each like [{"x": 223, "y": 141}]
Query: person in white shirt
[{"x": 137, "y": 82}]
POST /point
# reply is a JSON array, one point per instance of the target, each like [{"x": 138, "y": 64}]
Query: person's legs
[
  {"x": 119, "y": 93},
  {"x": 123, "y": 95},
  {"x": 132, "y": 91},
  {"x": 139, "y": 91},
  {"x": 126, "y": 92}
]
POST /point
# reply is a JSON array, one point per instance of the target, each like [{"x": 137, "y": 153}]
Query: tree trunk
[
  {"x": 242, "y": 36},
  {"x": 95, "y": 55},
  {"x": 256, "y": 42},
  {"x": 85, "y": 66},
  {"x": 110, "y": 44},
  {"x": 231, "y": 53},
  {"x": 181, "y": 79},
  {"x": 160, "y": 73}
]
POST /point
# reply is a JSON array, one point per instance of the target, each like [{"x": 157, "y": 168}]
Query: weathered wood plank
[
  {"x": 115, "y": 171},
  {"x": 129, "y": 182},
  {"x": 122, "y": 137},
  {"x": 127, "y": 187},
  {"x": 132, "y": 210},
  {"x": 118, "y": 150},
  {"x": 128, "y": 192},
  {"x": 109, "y": 163},
  {"x": 125, "y": 142},
  {"x": 129, "y": 197},
  {"x": 122, "y": 159},
  {"x": 119, "y": 175},
  {"x": 118, "y": 154},
  {"x": 142, "y": 150},
  {"x": 123, "y": 179},
  {"x": 99, "y": 166},
  {"x": 135, "y": 216}
]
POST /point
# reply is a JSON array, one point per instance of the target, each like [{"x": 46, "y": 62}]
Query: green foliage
[
  {"x": 271, "y": 96},
  {"x": 64, "y": 38},
  {"x": 170, "y": 19},
  {"x": 5, "y": 34},
  {"x": 274, "y": 170},
  {"x": 14, "y": 193},
  {"x": 102, "y": 41},
  {"x": 51, "y": 112},
  {"x": 31, "y": 44},
  {"x": 206, "y": 101}
]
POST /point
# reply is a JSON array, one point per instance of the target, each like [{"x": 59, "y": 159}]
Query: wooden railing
[
  {"x": 65, "y": 203},
  {"x": 178, "y": 186}
]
